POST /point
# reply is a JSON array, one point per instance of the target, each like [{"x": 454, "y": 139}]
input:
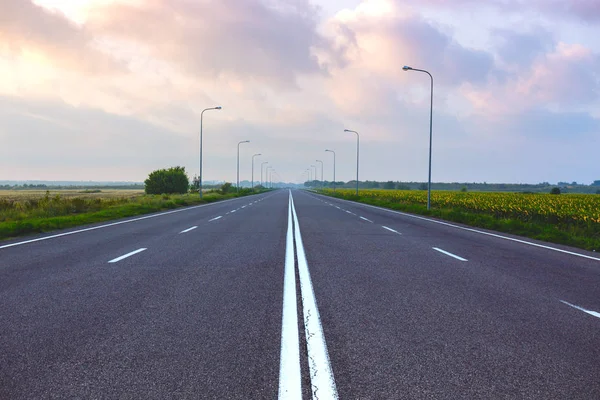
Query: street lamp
[
  {"x": 261, "y": 172},
  {"x": 315, "y": 175},
  {"x": 201, "y": 117},
  {"x": 267, "y": 175},
  {"x": 407, "y": 68},
  {"x": 238, "y": 163},
  {"x": 331, "y": 151},
  {"x": 322, "y": 180},
  {"x": 255, "y": 155},
  {"x": 357, "y": 151}
]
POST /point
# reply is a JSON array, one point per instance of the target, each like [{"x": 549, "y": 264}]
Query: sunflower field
[{"x": 565, "y": 214}]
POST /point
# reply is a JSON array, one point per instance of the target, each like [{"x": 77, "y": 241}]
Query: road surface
[{"x": 296, "y": 295}]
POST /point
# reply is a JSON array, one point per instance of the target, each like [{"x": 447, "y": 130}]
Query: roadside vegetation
[
  {"x": 24, "y": 212},
  {"x": 571, "y": 219}
]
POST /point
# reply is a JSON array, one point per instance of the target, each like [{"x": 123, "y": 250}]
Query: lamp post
[
  {"x": 322, "y": 180},
  {"x": 261, "y": 172},
  {"x": 407, "y": 68},
  {"x": 255, "y": 155},
  {"x": 357, "y": 152},
  {"x": 315, "y": 175},
  {"x": 201, "y": 118},
  {"x": 238, "y": 163},
  {"x": 267, "y": 175},
  {"x": 331, "y": 151}
]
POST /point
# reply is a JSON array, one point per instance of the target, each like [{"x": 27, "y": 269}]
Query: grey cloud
[
  {"x": 522, "y": 48},
  {"x": 264, "y": 41}
]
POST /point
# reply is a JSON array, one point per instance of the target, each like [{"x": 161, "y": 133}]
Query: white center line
[
  {"x": 243, "y": 206},
  {"x": 189, "y": 229},
  {"x": 594, "y": 313},
  {"x": 450, "y": 254},
  {"x": 321, "y": 374},
  {"x": 391, "y": 230},
  {"x": 214, "y": 219},
  {"x": 337, "y": 207},
  {"x": 127, "y": 255},
  {"x": 290, "y": 381},
  {"x": 366, "y": 219},
  {"x": 232, "y": 211}
]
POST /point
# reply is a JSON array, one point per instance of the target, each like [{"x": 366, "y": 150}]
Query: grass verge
[
  {"x": 48, "y": 213},
  {"x": 583, "y": 236}
]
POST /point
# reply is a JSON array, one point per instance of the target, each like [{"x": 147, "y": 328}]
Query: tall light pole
[
  {"x": 261, "y": 172},
  {"x": 255, "y": 155},
  {"x": 322, "y": 180},
  {"x": 331, "y": 151},
  {"x": 201, "y": 118},
  {"x": 357, "y": 152},
  {"x": 315, "y": 175},
  {"x": 271, "y": 178},
  {"x": 238, "y": 163},
  {"x": 407, "y": 68},
  {"x": 268, "y": 174}
]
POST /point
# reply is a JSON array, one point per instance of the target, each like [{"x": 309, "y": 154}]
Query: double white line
[{"x": 321, "y": 374}]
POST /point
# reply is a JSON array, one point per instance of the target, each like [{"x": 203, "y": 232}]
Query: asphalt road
[{"x": 296, "y": 296}]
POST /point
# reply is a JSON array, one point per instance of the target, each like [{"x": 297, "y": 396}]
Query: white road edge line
[
  {"x": 290, "y": 379},
  {"x": 594, "y": 313},
  {"x": 366, "y": 219},
  {"x": 215, "y": 218},
  {"x": 450, "y": 254},
  {"x": 113, "y": 224},
  {"x": 127, "y": 255},
  {"x": 321, "y": 374},
  {"x": 390, "y": 229},
  {"x": 475, "y": 231},
  {"x": 188, "y": 230}
]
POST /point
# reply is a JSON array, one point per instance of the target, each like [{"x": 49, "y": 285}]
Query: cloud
[
  {"x": 49, "y": 38},
  {"x": 380, "y": 37},
  {"x": 262, "y": 41},
  {"x": 522, "y": 48}
]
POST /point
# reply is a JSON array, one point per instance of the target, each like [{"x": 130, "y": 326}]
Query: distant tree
[
  {"x": 389, "y": 185},
  {"x": 402, "y": 186},
  {"x": 596, "y": 183},
  {"x": 555, "y": 190},
  {"x": 598, "y": 191},
  {"x": 226, "y": 188},
  {"x": 423, "y": 186},
  {"x": 195, "y": 185},
  {"x": 463, "y": 189},
  {"x": 172, "y": 180}
]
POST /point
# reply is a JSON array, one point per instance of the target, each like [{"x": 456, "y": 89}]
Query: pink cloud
[
  {"x": 27, "y": 27},
  {"x": 261, "y": 41}
]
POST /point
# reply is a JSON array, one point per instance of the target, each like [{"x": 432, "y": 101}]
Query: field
[
  {"x": 572, "y": 219},
  {"x": 20, "y": 195},
  {"x": 33, "y": 211}
]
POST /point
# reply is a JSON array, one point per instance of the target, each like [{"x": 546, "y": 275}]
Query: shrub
[
  {"x": 226, "y": 188},
  {"x": 172, "y": 180},
  {"x": 555, "y": 190}
]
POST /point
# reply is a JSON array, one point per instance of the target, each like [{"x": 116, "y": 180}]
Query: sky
[{"x": 110, "y": 90}]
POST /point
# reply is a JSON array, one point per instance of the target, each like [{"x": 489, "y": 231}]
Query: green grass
[
  {"x": 37, "y": 214},
  {"x": 584, "y": 236}
]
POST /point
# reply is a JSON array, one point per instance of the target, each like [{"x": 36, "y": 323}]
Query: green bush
[
  {"x": 172, "y": 180},
  {"x": 226, "y": 188},
  {"x": 555, "y": 190}
]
